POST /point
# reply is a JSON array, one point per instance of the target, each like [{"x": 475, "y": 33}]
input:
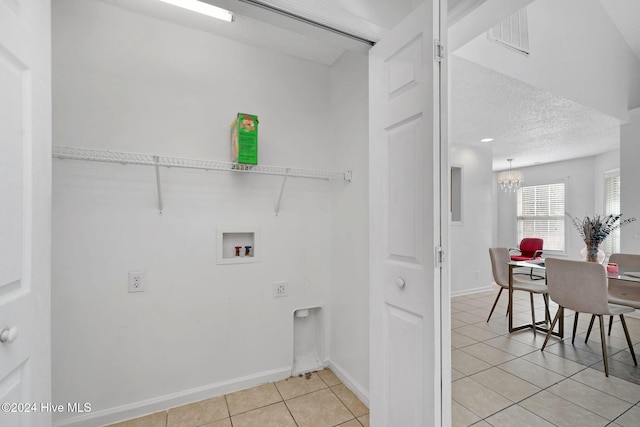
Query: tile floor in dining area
[
  {"x": 503, "y": 379},
  {"x": 318, "y": 399}
]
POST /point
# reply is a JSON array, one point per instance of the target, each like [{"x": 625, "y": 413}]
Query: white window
[
  {"x": 611, "y": 244},
  {"x": 541, "y": 214}
]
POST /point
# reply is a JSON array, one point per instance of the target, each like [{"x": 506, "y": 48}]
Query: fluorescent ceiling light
[
  {"x": 204, "y": 8},
  {"x": 486, "y": 140}
]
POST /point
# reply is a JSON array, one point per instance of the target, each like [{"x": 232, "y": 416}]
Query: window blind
[
  {"x": 541, "y": 214},
  {"x": 612, "y": 207}
]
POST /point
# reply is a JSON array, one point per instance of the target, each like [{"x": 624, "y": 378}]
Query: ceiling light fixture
[
  {"x": 510, "y": 180},
  {"x": 486, "y": 140},
  {"x": 203, "y": 8}
]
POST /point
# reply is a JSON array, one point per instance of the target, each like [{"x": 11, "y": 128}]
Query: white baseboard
[
  {"x": 473, "y": 291},
  {"x": 162, "y": 403},
  {"x": 351, "y": 384}
]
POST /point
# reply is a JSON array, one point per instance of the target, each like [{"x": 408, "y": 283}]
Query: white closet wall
[
  {"x": 349, "y": 333},
  {"x": 127, "y": 82}
]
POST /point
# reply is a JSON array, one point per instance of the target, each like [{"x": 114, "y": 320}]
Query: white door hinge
[
  {"x": 439, "y": 254},
  {"x": 438, "y": 50}
]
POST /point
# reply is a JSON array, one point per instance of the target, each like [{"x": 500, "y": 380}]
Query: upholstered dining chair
[
  {"x": 621, "y": 292},
  {"x": 500, "y": 268},
  {"x": 582, "y": 287},
  {"x": 530, "y": 250}
]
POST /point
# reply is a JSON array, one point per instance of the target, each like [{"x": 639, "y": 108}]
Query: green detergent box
[{"x": 244, "y": 139}]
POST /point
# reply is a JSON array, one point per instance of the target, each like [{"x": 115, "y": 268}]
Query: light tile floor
[
  {"x": 502, "y": 379},
  {"x": 318, "y": 399}
]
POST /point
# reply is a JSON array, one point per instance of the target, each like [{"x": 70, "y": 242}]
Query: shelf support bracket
[
  {"x": 284, "y": 181},
  {"x": 157, "y": 165}
]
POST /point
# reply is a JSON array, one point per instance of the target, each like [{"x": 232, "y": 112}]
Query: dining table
[{"x": 540, "y": 267}]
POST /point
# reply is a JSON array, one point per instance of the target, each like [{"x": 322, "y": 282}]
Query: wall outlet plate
[
  {"x": 136, "y": 281},
  {"x": 280, "y": 289}
]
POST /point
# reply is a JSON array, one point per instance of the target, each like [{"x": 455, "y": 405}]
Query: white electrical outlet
[
  {"x": 280, "y": 289},
  {"x": 136, "y": 281}
]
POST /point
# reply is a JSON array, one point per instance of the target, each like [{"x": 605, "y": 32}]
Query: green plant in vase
[{"x": 594, "y": 230}]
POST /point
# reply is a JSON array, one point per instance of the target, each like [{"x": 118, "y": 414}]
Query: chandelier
[{"x": 510, "y": 180}]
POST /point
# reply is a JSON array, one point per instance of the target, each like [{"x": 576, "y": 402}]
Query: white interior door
[
  {"x": 405, "y": 229},
  {"x": 25, "y": 212}
]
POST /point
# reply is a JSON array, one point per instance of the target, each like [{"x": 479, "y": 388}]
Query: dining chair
[
  {"x": 530, "y": 250},
  {"x": 582, "y": 287},
  {"x": 620, "y": 291},
  {"x": 500, "y": 268}
]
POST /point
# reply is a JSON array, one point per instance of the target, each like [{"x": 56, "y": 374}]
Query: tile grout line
[
  {"x": 341, "y": 401},
  {"x": 304, "y": 394},
  {"x": 344, "y": 404},
  {"x": 226, "y": 402},
  {"x": 290, "y": 413},
  {"x": 633, "y": 406},
  {"x": 284, "y": 402},
  {"x": 537, "y": 392}
]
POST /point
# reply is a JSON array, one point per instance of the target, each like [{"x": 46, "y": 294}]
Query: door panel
[
  {"x": 405, "y": 225},
  {"x": 404, "y": 333},
  {"x": 13, "y": 82},
  {"x": 403, "y": 150},
  {"x": 25, "y": 210},
  {"x": 12, "y": 390},
  {"x": 14, "y": 296},
  {"x": 405, "y": 71}
]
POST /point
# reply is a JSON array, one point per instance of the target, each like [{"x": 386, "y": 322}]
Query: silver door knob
[
  {"x": 9, "y": 334},
  {"x": 400, "y": 282}
]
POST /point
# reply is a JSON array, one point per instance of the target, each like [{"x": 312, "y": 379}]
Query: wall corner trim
[{"x": 351, "y": 384}]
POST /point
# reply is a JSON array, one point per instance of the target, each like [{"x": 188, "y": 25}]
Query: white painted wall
[
  {"x": 584, "y": 196},
  {"x": 349, "y": 333},
  {"x": 573, "y": 46},
  {"x": 629, "y": 180},
  {"x": 471, "y": 238},
  {"x": 124, "y": 81}
]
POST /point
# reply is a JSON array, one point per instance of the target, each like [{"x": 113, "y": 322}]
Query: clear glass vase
[{"x": 593, "y": 253}]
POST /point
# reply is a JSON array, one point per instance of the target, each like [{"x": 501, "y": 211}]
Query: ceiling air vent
[{"x": 512, "y": 32}]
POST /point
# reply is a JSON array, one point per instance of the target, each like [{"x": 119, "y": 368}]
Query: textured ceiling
[
  {"x": 625, "y": 14},
  {"x": 528, "y": 124}
]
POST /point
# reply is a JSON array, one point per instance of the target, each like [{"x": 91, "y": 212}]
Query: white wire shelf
[
  {"x": 157, "y": 160},
  {"x": 127, "y": 158}
]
